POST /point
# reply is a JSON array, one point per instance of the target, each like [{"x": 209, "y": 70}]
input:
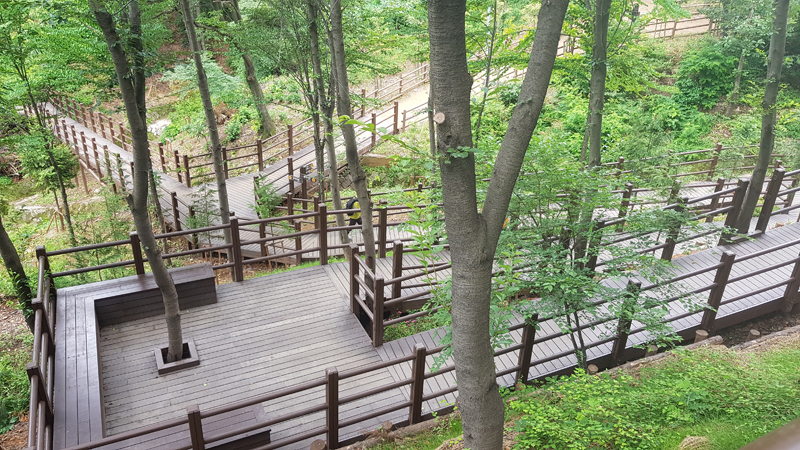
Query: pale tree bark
[
  {"x": 324, "y": 106},
  {"x": 777, "y": 50},
  {"x": 343, "y": 108},
  {"x": 17, "y": 273},
  {"x": 211, "y": 118},
  {"x": 267, "y": 125},
  {"x": 317, "y": 92},
  {"x": 738, "y": 80},
  {"x": 473, "y": 235},
  {"x": 137, "y": 199},
  {"x": 598, "y": 81}
]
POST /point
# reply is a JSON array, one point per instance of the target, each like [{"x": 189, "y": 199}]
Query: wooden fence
[{"x": 41, "y": 367}]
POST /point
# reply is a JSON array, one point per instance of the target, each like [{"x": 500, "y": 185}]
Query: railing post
[
  {"x": 396, "y": 129},
  {"x": 102, "y": 127},
  {"x": 716, "y": 201},
  {"x": 290, "y": 171},
  {"x": 91, "y": 116},
  {"x": 404, "y": 119},
  {"x": 377, "y": 312},
  {"x": 714, "y": 161},
  {"x": 397, "y": 267},
  {"x": 383, "y": 218},
  {"x": 323, "y": 234},
  {"x": 364, "y": 102},
  {"x": 111, "y": 130},
  {"x": 196, "y": 428},
  {"x": 193, "y": 241},
  {"x": 122, "y": 136},
  {"x": 418, "y": 384},
  {"x": 289, "y": 205},
  {"x": 290, "y": 132},
  {"x": 236, "y": 250},
  {"x": 715, "y": 296},
  {"x": 624, "y": 325},
  {"x": 176, "y": 214},
  {"x": 774, "y": 186},
  {"x": 375, "y": 132},
  {"x": 177, "y": 158},
  {"x": 625, "y": 204},
  {"x": 303, "y": 185},
  {"x": 186, "y": 169},
  {"x": 354, "y": 274},
  {"x": 525, "y": 353},
  {"x": 790, "y": 294},
  {"x": 96, "y": 157},
  {"x": 738, "y": 199},
  {"x": 298, "y": 243},
  {"x": 161, "y": 156},
  {"x": 136, "y": 246},
  {"x": 225, "y": 162},
  {"x": 262, "y": 234},
  {"x": 260, "y": 154},
  {"x": 332, "y": 410},
  {"x": 674, "y": 230}
]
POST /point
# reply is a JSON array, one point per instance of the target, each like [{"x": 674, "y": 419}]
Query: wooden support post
[
  {"x": 625, "y": 204},
  {"x": 374, "y": 133},
  {"x": 790, "y": 295},
  {"x": 716, "y": 201},
  {"x": 714, "y": 161},
  {"x": 162, "y": 158},
  {"x": 383, "y": 219},
  {"x": 774, "y": 186},
  {"x": 102, "y": 127},
  {"x": 236, "y": 250},
  {"x": 397, "y": 267},
  {"x": 332, "y": 410},
  {"x": 196, "y": 428},
  {"x": 91, "y": 116},
  {"x": 176, "y": 214},
  {"x": 136, "y": 247},
  {"x": 83, "y": 176},
  {"x": 323, "y": 234},
  {"x": 290, "y": 132},
  {"x": 96, "y": 157},
  {"x": 186, "y": 169},
  {"x": 290, "y": 206},
  {"x": 404, "y": 119},
  {"x": 120, "y": 174},
  {"x": 303, "y": 185},
  {"x": 74, "y": 137},
  {"x": 418, "y": 384},
  {"x": 290, "y": 171},
  {"x": 363, "y": 102},
  {"x": 260, "y": 154},
  {"x": 262, "y": 234},
  {"x": 377, "y": 312},
  {"x": 733, "y": 215},
  {"x": 525, "y": 353},
  {"x": 396, "y": 129},
  {"x": 629, "y": 301},
  {"x": 674, "y": 230},
  {"x": 354, "y": 274},
  {"x": 111, "y": 130},
  {"x": 715, "y": 296},
  {"x": 298, "y": 243}
]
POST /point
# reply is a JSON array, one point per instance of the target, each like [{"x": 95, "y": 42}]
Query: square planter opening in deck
[{"x": 189, "y": 359}]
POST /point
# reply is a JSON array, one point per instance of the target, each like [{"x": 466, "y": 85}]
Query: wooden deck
[{"x": 262, "y": 336}]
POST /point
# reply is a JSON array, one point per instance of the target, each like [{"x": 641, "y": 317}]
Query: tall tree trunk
[
  {"x": 139, "y": 79},
  {"x": 63, "y": 191},
  {"x": 267, "y": 125},
  {"x": 777, "y": 49},
  {"x": 473, "y": 236},
  {"x": 598, "y": 81},
  {"x": 137, "y": 200},
  {"x": 351, "y": 146},
  {"x": 211, "y": 119},
  {"x": 317, "y": 92},
  {"x": 324, "y": 104},
  {"x": 488, "y": 72},
  {"x": 17, "y": 273}
]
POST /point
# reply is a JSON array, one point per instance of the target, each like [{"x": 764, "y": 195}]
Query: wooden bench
[{"x": 80, "y": 313}]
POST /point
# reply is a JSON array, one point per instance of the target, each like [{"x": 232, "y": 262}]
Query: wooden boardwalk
[{"x": 277, "y": 331}]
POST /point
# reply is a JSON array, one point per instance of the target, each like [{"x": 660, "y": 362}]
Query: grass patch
[
  {"x": 447, "y": 428},
  {"x": 13, "y": 190},
  {"x": 15, "y": 353},
  {"x": 409, "y": 328}
]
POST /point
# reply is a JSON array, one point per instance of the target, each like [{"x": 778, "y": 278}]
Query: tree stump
[{"x": 700, "y": 336}]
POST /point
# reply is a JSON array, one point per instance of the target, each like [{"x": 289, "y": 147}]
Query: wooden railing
[{"x": 330, "y": 425}]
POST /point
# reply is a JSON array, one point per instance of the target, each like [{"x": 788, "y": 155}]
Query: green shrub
[
  {"x": 705, "y": 75},
  {"x": 15, "y": 353}
]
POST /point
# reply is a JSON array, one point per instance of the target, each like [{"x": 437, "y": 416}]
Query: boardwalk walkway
[{"x": 263, "y": 336}]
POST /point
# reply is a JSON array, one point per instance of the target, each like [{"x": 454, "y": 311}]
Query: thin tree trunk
[
  {"x": 343, "y": 108},
  {"x": 317, "y": 93},
  {"x": 488, "y": 72},
  {"x": 267, "y": 125},
  {"x": 777, "y": 49},
  {"x": 598, "y": 81},
  {"x": 736, "y": 83},
  {"x": 137, "y": 200},
  {"x": 211, "y": 119},
  {"x": 63, "y": 190},
  {"x": 17, "y": 273},
  {"x": 473, "y": 236}
]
